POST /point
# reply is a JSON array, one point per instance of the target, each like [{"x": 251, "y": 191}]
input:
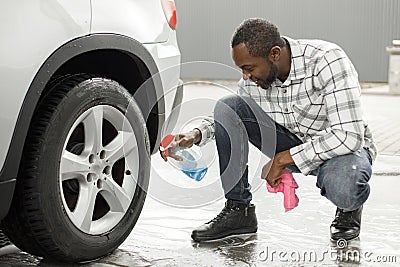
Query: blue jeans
[{"x": 342, "y": 179}]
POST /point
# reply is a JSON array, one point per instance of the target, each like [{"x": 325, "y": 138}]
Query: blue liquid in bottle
[{"x": 197, "y": 174}]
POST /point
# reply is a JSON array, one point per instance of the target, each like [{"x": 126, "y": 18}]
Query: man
[{"x": 299, "y": 103}]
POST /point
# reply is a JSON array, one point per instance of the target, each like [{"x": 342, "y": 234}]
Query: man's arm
[
  {"x": 273, "y": 170},
  {"x": 337, "y": 79}
]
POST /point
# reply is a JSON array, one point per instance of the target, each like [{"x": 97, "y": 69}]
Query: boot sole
[{"x": 224, "y": 234}]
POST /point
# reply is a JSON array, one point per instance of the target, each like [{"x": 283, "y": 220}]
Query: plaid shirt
[{"x": 319, "y": 102}]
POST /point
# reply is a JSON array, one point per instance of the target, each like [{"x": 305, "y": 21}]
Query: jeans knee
[
  {"x": 227, "y": 102},
  {"x": 344, "y": 180},
  {"x": 351, "y": 200},
  {"x": 348, "y": 193}
]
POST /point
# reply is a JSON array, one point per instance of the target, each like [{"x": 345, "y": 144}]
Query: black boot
[
  {"x": 233, "y": 219},
  {"x": 346, "y": 225}
]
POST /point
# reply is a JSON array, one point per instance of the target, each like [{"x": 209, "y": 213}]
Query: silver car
[{"x": 86, "y": 87}]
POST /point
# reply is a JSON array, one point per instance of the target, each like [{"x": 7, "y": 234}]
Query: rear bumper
[
  {"x": 167, "y": 124},
  {"x": 6, "y": 195},
  {"x": 173, "y": 118}
]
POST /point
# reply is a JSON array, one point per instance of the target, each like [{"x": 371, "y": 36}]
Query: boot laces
[
  {"x": 225, "y": 211},
  {"x": 343, "y": 217}
]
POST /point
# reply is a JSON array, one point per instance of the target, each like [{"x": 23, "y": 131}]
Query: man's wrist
[{"x": 284, "y": 158}]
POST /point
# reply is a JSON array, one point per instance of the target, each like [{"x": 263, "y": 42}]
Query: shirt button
[
  {"x": 301, "y": 135},
  {"x": 286, "y": 109},
  {"x": 284, "y": 91}
]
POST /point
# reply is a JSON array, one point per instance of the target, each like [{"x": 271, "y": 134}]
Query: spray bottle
[{"x": 192, "y": 163}]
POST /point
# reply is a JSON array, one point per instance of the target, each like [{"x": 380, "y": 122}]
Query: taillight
[{"x": 170, "y": 12}]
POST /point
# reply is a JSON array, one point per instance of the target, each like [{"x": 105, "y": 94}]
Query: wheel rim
[{"x": 97, "y": 186}]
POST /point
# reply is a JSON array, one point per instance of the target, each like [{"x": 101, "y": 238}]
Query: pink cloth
[{"x": 288, "y": 188}]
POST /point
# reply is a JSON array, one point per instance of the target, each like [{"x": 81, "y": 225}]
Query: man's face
[{"x": 260, "y": 70}]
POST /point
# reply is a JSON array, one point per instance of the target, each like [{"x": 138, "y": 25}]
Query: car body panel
[
  {"x": 54, "y": 19},
  {"x": 145, "y": 22},
  {"x": 168, "y": 60},
  {"x": 38, "y": 36},
  {"x": 35, "y": 31},
  {"x": 141, "y": 20}
]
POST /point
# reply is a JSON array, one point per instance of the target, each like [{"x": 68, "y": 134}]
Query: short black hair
[{"x": 258, "y": 35}]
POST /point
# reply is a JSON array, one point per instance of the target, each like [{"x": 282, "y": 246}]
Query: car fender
[{"x": 50, "y": 66}]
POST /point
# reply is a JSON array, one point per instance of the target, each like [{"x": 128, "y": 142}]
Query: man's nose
[{"x": 246, "y": 75}]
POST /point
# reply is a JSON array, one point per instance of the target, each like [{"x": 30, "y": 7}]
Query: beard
[{"x": 273, "y": 74}]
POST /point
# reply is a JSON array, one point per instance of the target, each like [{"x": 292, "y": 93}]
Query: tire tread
[{"x": 24, "y": 222}]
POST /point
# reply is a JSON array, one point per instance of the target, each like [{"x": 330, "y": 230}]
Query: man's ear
[{"x": 275, "y": 53}]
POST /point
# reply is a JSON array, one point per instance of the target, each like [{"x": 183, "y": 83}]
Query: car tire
[{"x": 84, "y": 173}]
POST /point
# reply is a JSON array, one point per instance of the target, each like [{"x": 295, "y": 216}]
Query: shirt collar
[{"x": 297, "y": 66}]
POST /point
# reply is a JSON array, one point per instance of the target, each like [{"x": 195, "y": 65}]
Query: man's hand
[
  {"x": 185, "y": 140},
  {"x": 273, "y": 170}
]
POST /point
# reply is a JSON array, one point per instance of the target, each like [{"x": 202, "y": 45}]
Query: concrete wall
[{"x": 363, "y": 28}]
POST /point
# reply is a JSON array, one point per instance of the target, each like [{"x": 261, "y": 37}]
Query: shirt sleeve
[
  {"x": 207, "y": 130},
  {"x": 337, "y": 80}
]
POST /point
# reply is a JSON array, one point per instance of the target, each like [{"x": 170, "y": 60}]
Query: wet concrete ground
[
  {"x": 162, "y": 234},
  {"x": 177, "y": 204}
]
